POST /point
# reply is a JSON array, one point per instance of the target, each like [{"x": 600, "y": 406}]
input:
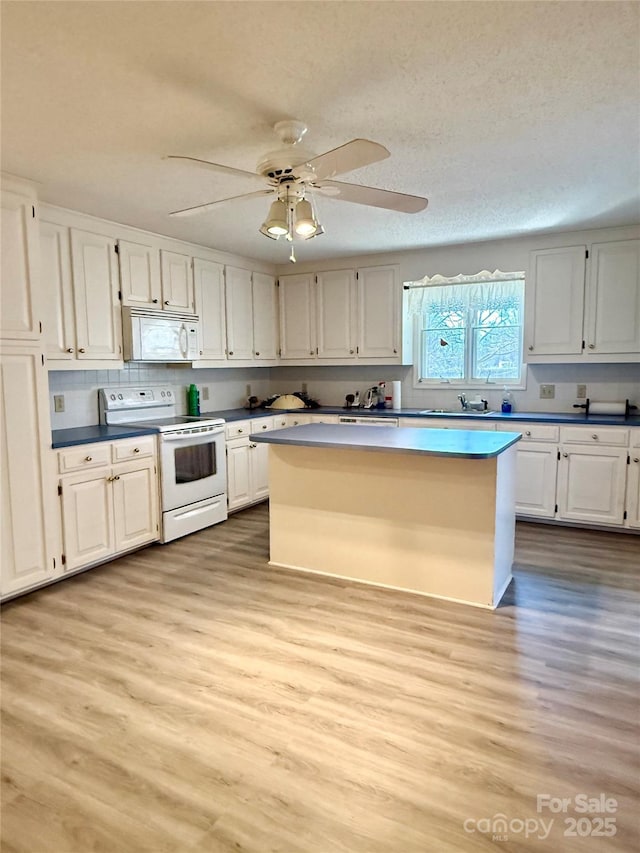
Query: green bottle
[{"x": 193, "y": 400}]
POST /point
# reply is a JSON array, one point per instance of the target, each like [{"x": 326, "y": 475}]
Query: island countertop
[{"x": 461, "y": 444}]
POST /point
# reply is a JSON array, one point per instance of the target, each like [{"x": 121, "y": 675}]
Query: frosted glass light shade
[
  {"x": 276, "y": 222},
  {"x": 305, "y": 223}
]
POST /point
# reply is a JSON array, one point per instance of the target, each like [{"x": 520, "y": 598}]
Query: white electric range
[{"x": 193, "y": 473}]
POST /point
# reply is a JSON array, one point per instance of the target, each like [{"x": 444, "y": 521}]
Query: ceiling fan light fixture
[
  {"x": 277, "y": 224},
  {"x": 306, "y": 225}
]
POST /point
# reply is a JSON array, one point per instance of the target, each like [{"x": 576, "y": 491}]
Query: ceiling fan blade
[
  {"x": 352, "y": 155},
  {"x": 375, "y": 197},
  {"x": 217, "y": 167},
  {"x": 203, "y": 208}
]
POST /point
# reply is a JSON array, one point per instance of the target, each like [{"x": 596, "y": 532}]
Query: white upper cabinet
[
  {"x": 95, "y": 285},
  {"x": 379, "y": 300},
  {"x": 335, "y": 313},
  {"x": 19, "y": 306},
  {"x": 239, "y": 313},
  {"x": 177, "y": 282},
  {"x": 264, "y": 316},
  {"x": 555, "y": 301},
  {"x": 584, "y": 306},
  {"x": 297, "y": 317},
  {"x": 342, "y": 316},
  {"x": 59, "y": 326},
  {"x": 139, "y": 275},
  {"x": 208, "y": 278},
  {"x": 613, "y": 324}
]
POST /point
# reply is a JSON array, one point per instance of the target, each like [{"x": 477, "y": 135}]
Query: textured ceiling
[{"x": 511, "y": 117}]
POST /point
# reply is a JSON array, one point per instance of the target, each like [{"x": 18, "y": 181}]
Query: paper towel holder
[{"x": 616, "y": 407}]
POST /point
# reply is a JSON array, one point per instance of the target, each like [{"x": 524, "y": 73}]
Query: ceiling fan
[{"x": 294, "y": 174}]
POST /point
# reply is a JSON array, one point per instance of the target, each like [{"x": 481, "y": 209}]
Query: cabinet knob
[
  {"x": 110, "y": 479},
  {"x": 69, "y": 349},
  {"x": 240, "y": 430},
  {"x": 88, "y": 458},
  {"x": 351, "y": 352},
  {"x": 310, "y": 352},
  {"x": 592, "y": 346},
  {"x": 81, "y": 349},
  {"x": 530, "y": 347},
  {"x": 635, "y": 459},
  {"x": 565, "y": 455},
  {"x": 257, "y": 353},
  {"x": 395, "y": 351},
  {"x": 155, "y": 301},
  {"x": 166, "y": 302},
  {"x": 528, "y": 432},
  {"x": 253, "y": 445},
  {"x": 136, "y": 450},
  {"x": 117, "y": 477},
  {"x": 595, "y": 436},
  {"x": 230, "y": 352},
  {"x": 200, "y": 352}
]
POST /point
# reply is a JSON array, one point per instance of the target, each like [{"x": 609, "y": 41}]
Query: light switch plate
[
  {"x": 205, "y": 392},
  {"x": 303, "y": 387},
  {"x": 248, "y": 390},
  {"x": 58, "y": 402},
  {"x": 547, "y": 392},
  {"x": 581, "y": 392}
]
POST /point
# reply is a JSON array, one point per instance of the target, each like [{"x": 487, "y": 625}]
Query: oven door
[{"x": 193, "y": 467}]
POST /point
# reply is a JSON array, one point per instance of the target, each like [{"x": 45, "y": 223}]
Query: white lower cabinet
[
  {"x": 633, "y": 481},
  {"x": 107, "y": 506},
  {"x": 27, "y": 484},
  {"x": 536, "y": 471},
  {"x": 591, "y": 484},
  {"x": 247, "y": 463}
]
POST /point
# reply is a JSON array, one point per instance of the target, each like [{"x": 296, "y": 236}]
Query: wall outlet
[
  {"x": 248, "y": 391},
  {"x": 58, "y": 402},
  {"x": 581, "y": 392},
  {"x": 303, "y": 387},
  {"x": 547, "y": 392},
  {"x": 205, "y": 392}
]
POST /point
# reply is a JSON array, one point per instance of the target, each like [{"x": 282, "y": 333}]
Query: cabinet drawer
[
  {"x": 84, "y": 456},
  {"x": 635, "y": 438},
  {"x": 133, "y": 448},
  {"x": 262, "y": 424},
  {"x": 280, "y": 422},
  {"x": 532, "y": 432},
  {"x": 237, "y": 429},
  {"x": 597, "y": 435}
]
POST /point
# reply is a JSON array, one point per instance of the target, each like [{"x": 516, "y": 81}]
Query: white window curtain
[{"x": 479, "y": 290}]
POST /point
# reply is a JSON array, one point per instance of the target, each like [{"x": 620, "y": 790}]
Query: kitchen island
[{"x": 427, "y": 511}]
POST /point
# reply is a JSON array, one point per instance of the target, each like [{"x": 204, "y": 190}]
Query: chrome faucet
[{"x": 463, "y": 402}]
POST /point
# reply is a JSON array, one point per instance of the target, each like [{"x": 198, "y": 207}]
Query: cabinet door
[
  {"x": 259, "y": 460},
  {"x": 554, "y": 301},
  {"x": 614, "y": 298},
  {"x": 177, "y": 282},
  {"x": 209, "y": 293},
  {"x": 87, "y": 518},
  {"x": 297, "y": 317},
  {"x": 95, "y": 292},
  {"x": 591, "y": 484},
  {"x": 19, "y": 306},
  {"x": 139, "y": 274},
  {"x": 379, "y": 300},
  {"x": 633, "y": 489},
  {"x": 135, "y": 505},
  {"x": 238, "y": 473},
  {"x": 265, "y": 317},
  {"x": 27, "y": 493},
  {"x": 239, "y": 309},
  {"x": 537, "y": 466},
  {"x": 59, "y": 326},
  {"x": 335, "y": 312}
]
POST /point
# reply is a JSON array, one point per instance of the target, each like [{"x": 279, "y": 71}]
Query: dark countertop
[
  {"x": 459, "y": 444},
  {"x": 571, "y": 418},
  {"x": 95, "y": 433}
]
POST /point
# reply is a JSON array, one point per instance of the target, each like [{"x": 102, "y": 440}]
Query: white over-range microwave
[{"x": 159, "y": 335}]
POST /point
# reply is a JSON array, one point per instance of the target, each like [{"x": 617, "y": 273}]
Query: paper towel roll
[
  {"x": 607, "y": 408},
  {"x": 396, "y": 394}
]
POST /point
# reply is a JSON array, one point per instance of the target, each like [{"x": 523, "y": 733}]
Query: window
[{"x": 469, "y": 333}]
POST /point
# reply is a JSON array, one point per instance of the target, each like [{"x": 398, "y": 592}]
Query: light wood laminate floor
[{"x": 190, "y": 698}]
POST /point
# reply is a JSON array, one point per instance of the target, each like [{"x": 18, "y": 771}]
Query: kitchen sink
[{"x": 467, "y": 413}]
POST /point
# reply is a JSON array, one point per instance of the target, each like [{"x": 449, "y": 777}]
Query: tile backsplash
[{"x": 227, "y": 387}]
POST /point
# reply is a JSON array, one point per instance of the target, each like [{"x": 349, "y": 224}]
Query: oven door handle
[{"x": 198, "y": 438}]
